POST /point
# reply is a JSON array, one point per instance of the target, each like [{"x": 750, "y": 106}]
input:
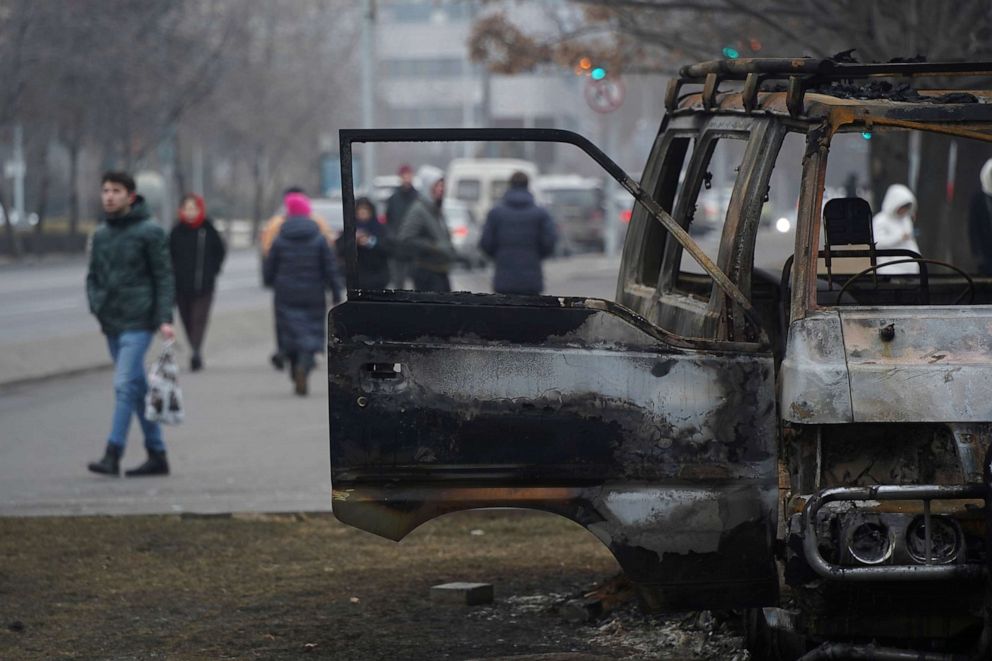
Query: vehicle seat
[{"x": 846, "y": 222}]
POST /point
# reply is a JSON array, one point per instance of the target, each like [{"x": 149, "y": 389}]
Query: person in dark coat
[
  {"x": 300, "y": 266},
  {"x": 197, "y": 255},
  {"x": 980, "y": 221},
  {"x": 425, "y": 236},
  {"x": 373, "y": 263},
  {"x": 397, "y": 207},
  {"x": 518, "y": 234}
]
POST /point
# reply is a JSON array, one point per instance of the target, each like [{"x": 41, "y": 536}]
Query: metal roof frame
[{"x": 800, "y": 75}]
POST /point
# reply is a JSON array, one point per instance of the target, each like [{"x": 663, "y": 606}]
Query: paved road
[
  {"x": 48, "y": 300},
  {"x": 248, "y": 444}
]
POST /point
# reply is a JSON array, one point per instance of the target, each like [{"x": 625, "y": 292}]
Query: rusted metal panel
[
  {"x": 815, "y": 385},
  {"x": 934, "y": 368},
  {"x": 666, "y": 453}
]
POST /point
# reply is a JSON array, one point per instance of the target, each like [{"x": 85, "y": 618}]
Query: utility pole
[
  {"x": 198, "y": 185},
  {"x": 612, "y": 211},
  {"x": 17, "y": 171},
  {"x": 368, "y": 89}
]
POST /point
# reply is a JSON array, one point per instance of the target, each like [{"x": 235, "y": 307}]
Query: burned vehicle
[{"x": 809, "y": 446}]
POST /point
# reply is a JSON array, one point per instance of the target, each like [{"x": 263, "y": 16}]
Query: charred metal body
[
  {"x": 701, "y": 422},
  {"x": 663, "y": 451}
]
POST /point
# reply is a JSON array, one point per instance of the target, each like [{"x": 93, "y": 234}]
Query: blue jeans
[{"x": 128, "y": 351}]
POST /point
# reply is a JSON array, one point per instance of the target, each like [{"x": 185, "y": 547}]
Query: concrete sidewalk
[{"x": 248, "y": 443}]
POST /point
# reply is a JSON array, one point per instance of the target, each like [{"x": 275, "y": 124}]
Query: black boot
[
  {"x": 196, "y": 362},
  {"x": 110, "y": 464},
  {"x": 156, "y": 464},
  {"x": 300, "y": 380}
]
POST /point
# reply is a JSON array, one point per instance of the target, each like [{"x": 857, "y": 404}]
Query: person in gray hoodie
[{"x": 424, "y": 235}]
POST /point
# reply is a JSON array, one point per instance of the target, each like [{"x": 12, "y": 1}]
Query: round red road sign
[{"x": 604, "y": 95}]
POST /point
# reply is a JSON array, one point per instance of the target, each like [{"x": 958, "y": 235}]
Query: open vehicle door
[{"x": 663, "y": 447}]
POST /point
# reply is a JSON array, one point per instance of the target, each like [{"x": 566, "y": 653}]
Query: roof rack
[{"x": 800, "y": 74}]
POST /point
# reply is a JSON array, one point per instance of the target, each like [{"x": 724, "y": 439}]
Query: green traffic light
[
  {"x": 731, "y": 53},
  {"x": 599, "y": 73}
]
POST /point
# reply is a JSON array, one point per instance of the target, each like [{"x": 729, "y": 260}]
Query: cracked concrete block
[{"x": 466, "y": 594}]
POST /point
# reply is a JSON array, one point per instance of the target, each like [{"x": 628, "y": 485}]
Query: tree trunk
[
  {"x": 887, "y": 164},
  {"x": 74, "y": 150},
  {"x": 972, "y": 154},
  {"x": 178, "y": 176},
  {"x": 13, "y": 244},
  {"x": 41, "y": 204},
  {"x": 931, "y": 194},
  {"x": 259, "y": 193}
]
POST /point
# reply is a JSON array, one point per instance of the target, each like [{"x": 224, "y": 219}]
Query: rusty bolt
[
  {"x": 887, "y": 333},
  {"x": 362, "y": 402}
]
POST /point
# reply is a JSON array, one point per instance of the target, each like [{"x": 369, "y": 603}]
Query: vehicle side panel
[{"x": 574, "y": 406}]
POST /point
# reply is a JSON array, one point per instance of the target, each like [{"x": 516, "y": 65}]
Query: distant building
[{"x": 426, "y": 80}]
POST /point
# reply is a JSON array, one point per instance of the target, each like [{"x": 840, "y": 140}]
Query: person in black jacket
[
  {"x": 397, "y": 207},
  {"x": 197, "y": 255},
  {"x": 518, "y": 234},
  {"x": 370, "y": 236},
  {"x": 980, "y": 221},
  {"x": 299, "y": 267}
]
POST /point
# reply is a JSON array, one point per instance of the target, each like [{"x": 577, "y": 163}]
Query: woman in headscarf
[
  {"x": 980, "y": 221},
  {"x": 370, "y": 235},
  {"x": 300, "y": 266},
  {"x": 893, "y": 228},
  {"x": 197, "y": 255}
]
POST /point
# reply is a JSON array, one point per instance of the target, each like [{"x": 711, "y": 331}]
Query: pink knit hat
[{"x": 297, "y": 204}]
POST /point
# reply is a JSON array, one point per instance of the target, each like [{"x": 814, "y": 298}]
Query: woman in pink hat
[{"x": 300, "y": 267}]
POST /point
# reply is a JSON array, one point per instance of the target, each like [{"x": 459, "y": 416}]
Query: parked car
[
  {"x": 578, "y": 208},
  {"x": 812, "y": 448},
  {"x": 330, "y": 209},
  {"x": 479, "y": 183},
  {"x": 466, "y": 230}
]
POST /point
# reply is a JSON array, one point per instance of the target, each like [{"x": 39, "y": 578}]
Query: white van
[{"x": 480, "y": 182}]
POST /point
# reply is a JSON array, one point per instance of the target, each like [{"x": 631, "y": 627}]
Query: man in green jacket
[{"x": 130, "y": 290}]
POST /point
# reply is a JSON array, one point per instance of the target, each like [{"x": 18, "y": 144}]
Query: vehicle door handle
[{"x": 383, "y": 370}]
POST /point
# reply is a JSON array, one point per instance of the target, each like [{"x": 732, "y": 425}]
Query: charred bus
[{"x": 810, "y": 446}]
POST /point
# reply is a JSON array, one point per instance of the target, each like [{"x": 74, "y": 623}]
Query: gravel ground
[{"x": 299, "y": 586}]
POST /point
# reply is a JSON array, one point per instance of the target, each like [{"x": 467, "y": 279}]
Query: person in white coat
[{"x": 893, "y": 228}]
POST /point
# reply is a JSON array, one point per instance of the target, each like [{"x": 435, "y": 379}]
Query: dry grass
[{"x": 283, "y": 586}]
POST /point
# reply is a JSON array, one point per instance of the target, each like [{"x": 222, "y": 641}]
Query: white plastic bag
[{"x": 164, "y": 400}]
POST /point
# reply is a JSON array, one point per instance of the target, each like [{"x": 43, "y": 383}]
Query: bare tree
[
  {"x": 639, "y": 36},
  {"x": 136, "y": 83}
]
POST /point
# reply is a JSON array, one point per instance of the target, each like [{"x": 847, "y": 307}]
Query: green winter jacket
[{"x": 129, "y": 284}]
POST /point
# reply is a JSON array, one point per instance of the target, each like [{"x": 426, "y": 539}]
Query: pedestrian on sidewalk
[
  {"x": 424, "y": 235},
  {"x": 518, "y": 234},
  {"x": 373, "y": 263},
  {"x": 980, "y": 221},
  {"x": 300, "y": 267},
  {"x": 268, "y": 235},
  {"x": 197, "y": 255},
  {"x": 397, "y": 207},
  {"x": 130, "y": 290}
]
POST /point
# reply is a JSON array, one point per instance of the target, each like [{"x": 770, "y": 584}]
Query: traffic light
[
  {"x": 585, "y": 67},
  {"x": 731, "y": 53}
]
